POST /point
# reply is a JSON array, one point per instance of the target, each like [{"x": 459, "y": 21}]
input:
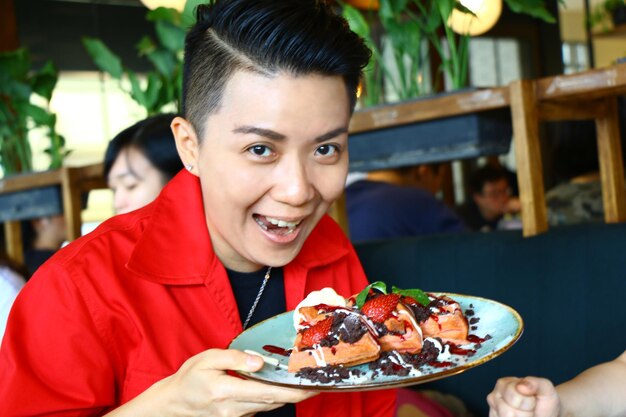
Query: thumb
[{"x": 534, "y": 386}]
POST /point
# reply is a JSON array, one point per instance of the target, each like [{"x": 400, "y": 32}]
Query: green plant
[
  {"x": 163, "y": 85},
  {"x": 18, "y": 115},
  {"x": 601, "y": 14},
  {"x": 405, "y": 24},
  {"x": 403, "y": 37}
]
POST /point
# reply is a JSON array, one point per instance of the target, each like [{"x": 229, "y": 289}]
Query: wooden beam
[
  {"x": 611, "y": 164},
  {"x": 528, "y": 157},
  {"x": 586, "y": 85},
  {"x": 438, "y": 107},
  {"x": 575, "y": 110}
]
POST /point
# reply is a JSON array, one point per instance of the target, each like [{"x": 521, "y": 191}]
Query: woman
[
  {"x": 139, "y": 161},
  {"x": 141, "y": 311}
]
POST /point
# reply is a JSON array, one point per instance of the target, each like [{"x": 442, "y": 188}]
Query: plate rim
[{"x": 377, "y": 385}]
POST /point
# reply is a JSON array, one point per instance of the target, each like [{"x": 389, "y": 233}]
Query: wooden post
[
  {"x": 338, "y": 211},
  {"x": 611, "y": 163},
  {"x": 13, "y": 239},
  {"x": 525, "y": 120},
  {"x": 71, "y": 194}
]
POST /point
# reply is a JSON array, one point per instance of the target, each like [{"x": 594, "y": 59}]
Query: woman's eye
[
  {"x": 260, "y": 150},
  {"x": 327, "y": 150}
]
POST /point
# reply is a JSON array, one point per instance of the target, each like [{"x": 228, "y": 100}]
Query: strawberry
[
  {"x": 316, "y": 333},
  {"x": 379, "y": 309}
]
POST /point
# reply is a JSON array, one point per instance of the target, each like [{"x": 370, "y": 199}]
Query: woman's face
[
  {"x": 272, "y": 160},
  {"x": 134, "y": 181}
]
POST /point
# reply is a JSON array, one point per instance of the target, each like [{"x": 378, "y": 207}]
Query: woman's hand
[
  {"x": 527, "y": 397},
  {"x": 202, "y": 387}
]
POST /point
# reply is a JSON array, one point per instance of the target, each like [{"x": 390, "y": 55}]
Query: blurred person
[
  {"x": 11, "y": 282},
  {"x": 139, "y": 161},
  {"x": 576, "y": 196},
  {"x": 42, "y": 237},
  {"x": 398, "y": 202},
  {"x": 490, "y": 199},
  {"x": 597, "y": 392}
]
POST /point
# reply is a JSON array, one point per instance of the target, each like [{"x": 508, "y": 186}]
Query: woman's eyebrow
[
  {"x": 273, "y": 135},
  {"x": 267, "y": 133},
  {"x": 332, "y": 134}
]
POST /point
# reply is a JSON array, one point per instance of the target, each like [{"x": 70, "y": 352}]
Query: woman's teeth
[
  {"x": 282, "y": 223},
  {"x": 264, "y": 220}
]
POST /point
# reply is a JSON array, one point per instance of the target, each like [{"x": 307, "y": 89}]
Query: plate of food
[{"x": 378, "y": 339}]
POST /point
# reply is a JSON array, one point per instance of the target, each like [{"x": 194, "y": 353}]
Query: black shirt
[{"x": 246, "y": 286}]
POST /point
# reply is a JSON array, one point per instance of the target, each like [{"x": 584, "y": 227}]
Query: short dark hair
[
  {"x": 265, "y": 36},
  {"x": 152, "y": 137},
  {"x": 483, "y": 175}
]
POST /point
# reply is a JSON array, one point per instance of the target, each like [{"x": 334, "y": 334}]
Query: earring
[{"x": 188, "y": 167}]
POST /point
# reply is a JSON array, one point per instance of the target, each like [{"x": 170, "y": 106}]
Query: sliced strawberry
[
  {"x": 315, "y": 334},
  {"x": 409, "y": 301},
  {"x": 379, "y": 309}
]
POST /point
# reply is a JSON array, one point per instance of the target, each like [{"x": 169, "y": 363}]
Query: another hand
[
  {"x": 202, "y": 387},
  {"x": 513, "y": 205},
  {"x": 527, "y": 397}
]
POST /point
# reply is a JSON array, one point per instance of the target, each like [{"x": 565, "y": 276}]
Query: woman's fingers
[
  {"x": 210, "y": 366},
  {"x": 226, "y": 360},
  {"x": 527, "y": 397}
]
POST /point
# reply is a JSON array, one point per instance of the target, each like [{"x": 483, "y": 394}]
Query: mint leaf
[
  {"x": 362, "y": 296},
  {"x": 415, "y": 293}
]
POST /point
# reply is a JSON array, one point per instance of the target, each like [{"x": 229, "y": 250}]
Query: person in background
[
  {"x": 490, "y": 199},
  {"x": 139, "y": 161},
  {"x": 135, "y": 318},
  {"x": 42, "y": 237},
  {"x": 398, "y": 203},
  {"x": 11, "y": 282},
  {"x": 576, "y": 196},
  {"x": 597, "y": 392}
]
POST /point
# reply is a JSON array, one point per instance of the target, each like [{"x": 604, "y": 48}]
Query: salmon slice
[
  {"x": 364, "y": 350},
  {"x": 449, "y": 323},
  {"x": 404, "y": 335}
]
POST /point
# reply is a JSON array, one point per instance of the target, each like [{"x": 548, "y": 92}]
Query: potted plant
[
  {"x": 437, "y": 139},
  {"x": 613, "y": 11},
  {"x": 163, "y": 85},
  {"x": 19, "y": 83},
  {"x": 404, "y": 24}
]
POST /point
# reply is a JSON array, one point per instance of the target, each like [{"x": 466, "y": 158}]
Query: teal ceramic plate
[{"x": 503, "y": 324}]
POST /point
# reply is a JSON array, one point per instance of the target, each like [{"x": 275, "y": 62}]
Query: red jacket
[{"x": 126, "y": 305}]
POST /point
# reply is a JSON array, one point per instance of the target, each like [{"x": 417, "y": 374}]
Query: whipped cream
[{"x": 326, "y": 296}]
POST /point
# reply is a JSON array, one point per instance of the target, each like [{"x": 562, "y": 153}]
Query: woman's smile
[{"x": 278, "y": 230}]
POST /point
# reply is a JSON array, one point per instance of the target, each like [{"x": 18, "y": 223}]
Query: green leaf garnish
[
  {"x": 415, "y": 293},
  {"x": 362, "y": 296}
]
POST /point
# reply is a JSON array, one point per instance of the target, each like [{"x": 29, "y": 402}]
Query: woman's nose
[
  {"x": 293, "y": 184},
  {"x": 120, "y": 202}
]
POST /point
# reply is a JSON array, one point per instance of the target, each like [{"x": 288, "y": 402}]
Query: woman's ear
[{"x": 187, "y": 144}]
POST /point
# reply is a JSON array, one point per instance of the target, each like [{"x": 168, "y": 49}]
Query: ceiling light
[
  {"x": 174, "y": 4},
  {"x": 487, "y": 13}
]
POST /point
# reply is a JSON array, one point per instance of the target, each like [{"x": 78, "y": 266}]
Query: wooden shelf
[
  {"x": 590, "y": 95},
  {"x": 617, "y": 32},
  {"x": 64, "y": 188}
]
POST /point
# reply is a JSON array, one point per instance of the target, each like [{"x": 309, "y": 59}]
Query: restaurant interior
[{"x": 526, "y": 91}]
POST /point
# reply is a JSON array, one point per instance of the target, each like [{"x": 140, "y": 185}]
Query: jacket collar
[{"x": 175, "y": 247}]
